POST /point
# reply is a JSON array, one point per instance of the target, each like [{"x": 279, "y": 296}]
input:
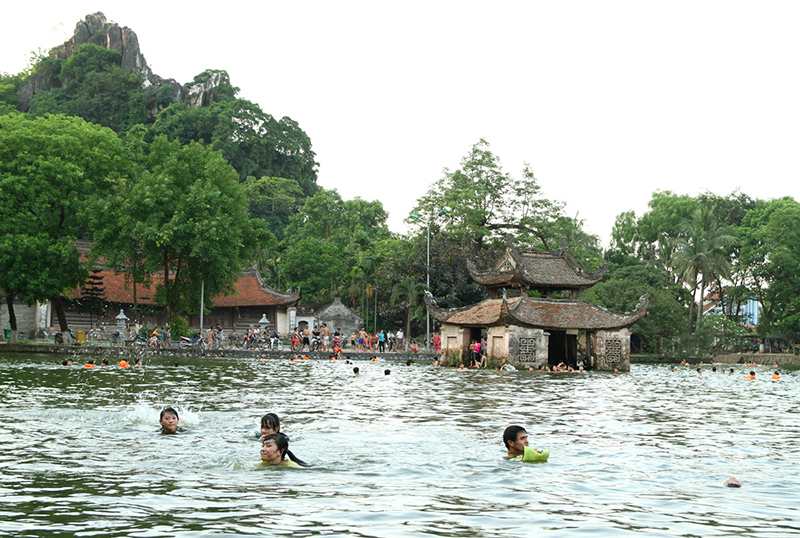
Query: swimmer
[
  {"x": 616, "y": 370},
  {"x": 732, "y": 483},
  {"x": 516, "y": 440},
  {"x": 123, "y": 363},
  {"x": 699, "y": 371},
  {"x": 138, "y": 362},
  {"x": 731, "y": 372},
  {"x": 387, "y": 372},
  {"x": 672, "y": 369},
  {"x": 355, "y": 370},
  {"x": 270, "y": 425},
  {"x": 67, "y": 362},
  {"x": 89, "y": 364},
  {"x": 752, "y": 375},
  {"x": 104, "y": 362},
  {"x": 275, "y": 449},
  {"x": 714, "y": 370},
  {"x": 462, "y": 366},
  {"x": 169, "y": 421},
  {"x": 435, "y": 362},
  {"x": 776, "y": 375}
]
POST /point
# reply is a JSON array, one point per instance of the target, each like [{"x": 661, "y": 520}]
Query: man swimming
[{"x": 516, "y": 440}]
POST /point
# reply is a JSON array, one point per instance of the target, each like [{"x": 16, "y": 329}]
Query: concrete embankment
[
  {"x": 135, "y": 351},
  {"x": 764, "y": 359}
]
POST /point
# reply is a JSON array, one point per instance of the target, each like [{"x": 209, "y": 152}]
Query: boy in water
[
  {"x": 169, "y": 421},
  {"x": 516, "y": 440}
]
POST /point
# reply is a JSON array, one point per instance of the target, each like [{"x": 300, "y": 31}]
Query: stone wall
[
  {"x": 527, "y": 347},
  {"x": 26, "y": 319},
  {"x": 612, "y": 349}
]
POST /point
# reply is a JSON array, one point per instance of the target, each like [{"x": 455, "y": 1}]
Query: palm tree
[
  {"x": 408, "y": 294},
  {"x": 702, "y": 255}
]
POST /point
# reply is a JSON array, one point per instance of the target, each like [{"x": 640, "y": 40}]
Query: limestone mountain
[{"x": 95, "y": 29}]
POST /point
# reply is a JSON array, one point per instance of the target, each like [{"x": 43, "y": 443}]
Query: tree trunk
[
  {"x": 408, "y": 328},
  {"x": 62, "y": 319},
  {"x": 12, "y": 318}
]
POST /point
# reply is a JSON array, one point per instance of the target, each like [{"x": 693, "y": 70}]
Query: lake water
[{"x": 415, "y": 453}]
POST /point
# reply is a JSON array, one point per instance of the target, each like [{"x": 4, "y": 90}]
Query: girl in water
[
  {"x": 275, "y": 449},
  {"x": 270, "y": 424}
]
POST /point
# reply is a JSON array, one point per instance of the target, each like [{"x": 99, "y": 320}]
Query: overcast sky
[{"x": 608, "y": 101}]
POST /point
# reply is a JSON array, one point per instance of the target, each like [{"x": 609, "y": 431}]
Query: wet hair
[
  {"x": 752, "y": 372},
  {"x": 168, "y": 410},
  {"x": 105, "y": 362},
  {"x": 355, "y": 370},
  {"x": 511, "y": 434},
  {"x": 408, "y": 362},
  {"x": 282, "y": 443},
  {"x": 387, "y": 372},
  {"x": 271, "y": 421}
]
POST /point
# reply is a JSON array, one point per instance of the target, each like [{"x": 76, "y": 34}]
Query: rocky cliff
[{"x": 95, "y": 29}]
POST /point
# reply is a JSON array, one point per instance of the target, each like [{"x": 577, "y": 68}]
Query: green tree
[
  {"x": 185, "y": 218},
  {"x": 49, "y": 167},
  {"x": 407, "y": 297},
  {"x": 275, "y": 200},
  {"x": 252, "y": 141},
  {"x": 94, "y": 87},
  {"x": 665, "y": 321},
  {"x": 702, "y": 254},
  {"x": 312, "y": 264},
  {"x": 770, "y": 254},
  {"x": 484, "y": 203}
]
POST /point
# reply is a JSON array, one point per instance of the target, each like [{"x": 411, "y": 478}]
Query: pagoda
[{"x": 536, "y": 331}]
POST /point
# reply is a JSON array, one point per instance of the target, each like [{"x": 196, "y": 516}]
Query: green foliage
[
  {"x": 49, "y": 168},
  {"x": 252, "y": 141},
  {"x": 179, "y": 326},
  {"x": 314, "y": 265},
  {"x": 185, "y": 216},
  {"x": 9, "y": 84},
  {"x": 620, "y": 291},
  {"x": 275, "y": 200},
  {"x": 95, "y": 88},
  {"x": 484, "y": 203},
  {"x": 770, "y": 258}
]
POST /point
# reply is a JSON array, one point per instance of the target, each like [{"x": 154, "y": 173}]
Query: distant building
[
  {"x": 745, "y": 314},
  {"x": 534, "y": 331}
]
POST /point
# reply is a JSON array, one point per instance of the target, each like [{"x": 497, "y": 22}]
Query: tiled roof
[
  {"x": 540, "y": 313},
  {"x": 250, "y": 291},
  {"x": 554, "y": 269}
]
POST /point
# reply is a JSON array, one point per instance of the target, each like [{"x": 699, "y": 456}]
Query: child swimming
[
  {"x": 270, "y": 425},
  {"x": 275, "y": 449},
  {"x": 169, "y": 421}
]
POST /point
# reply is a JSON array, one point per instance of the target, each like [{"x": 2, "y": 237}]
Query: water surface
[{"x": 417, "y": 452}]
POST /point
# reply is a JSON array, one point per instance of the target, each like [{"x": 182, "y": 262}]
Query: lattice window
[
  {"x": 613, "y": 350},
  {"x": 527, "y": 350}
]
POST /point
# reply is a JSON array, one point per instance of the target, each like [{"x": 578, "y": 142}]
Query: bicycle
[{"x": 233, "y": 340}]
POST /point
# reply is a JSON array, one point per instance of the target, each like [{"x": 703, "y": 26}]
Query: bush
[{"x": 179, "y": 326}]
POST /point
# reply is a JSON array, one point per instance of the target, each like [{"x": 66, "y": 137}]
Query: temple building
[{"x": 535, "y": 331}]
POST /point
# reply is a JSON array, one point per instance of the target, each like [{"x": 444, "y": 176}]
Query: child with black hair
[
  {"x": 169, "y": 421},
  {"x": 275, "y": 449}
]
